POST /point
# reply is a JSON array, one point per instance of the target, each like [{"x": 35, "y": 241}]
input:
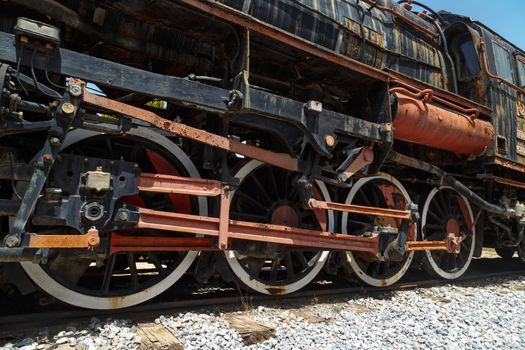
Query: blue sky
[{"x": 506, "y": 17}]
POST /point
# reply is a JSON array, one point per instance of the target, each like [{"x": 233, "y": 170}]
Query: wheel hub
[
  {"x": 285, "y": 215},
  {"x": 453, "y": 226}
]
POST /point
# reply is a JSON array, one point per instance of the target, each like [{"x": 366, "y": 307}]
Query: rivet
[{"x": 329, "y": 140}]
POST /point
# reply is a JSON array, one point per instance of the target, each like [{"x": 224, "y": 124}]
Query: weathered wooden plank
[
  {"x": 155, "y": 336},
  {"x": 251, "y": 331}
]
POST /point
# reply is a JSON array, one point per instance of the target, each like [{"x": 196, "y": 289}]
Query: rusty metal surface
[
  {"x": 506, "y": 164},
  {"x": 486, "y": 69},
  {"x": 280, "y": 160},
  {"x": 509, "y": 182},
  {"x": 365, "y": 157},
  {"x": 209, "y": 226},
  {"x": 426, "y": 245},
  {"x": 359, "y": 209},
  {"x": 132, "y": 243},
  {"x": 423, "y": 123},
  {"x": 227, "y": 13},
  {"x": 224, "y": 218},
  {"x": 346, "y": 10},
  {"x": 428, "y": 95},
  {"x": 451, "y": 244},
  {"x": 502, "y": 93},
  {"x": 398, "y": 13},
  {"x": 89, "y": 240},
  {"x": 178, "y": 184},
  {"x": 403, "y": 80}
]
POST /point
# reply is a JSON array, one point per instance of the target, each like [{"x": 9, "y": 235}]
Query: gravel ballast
[{"x": 465, "y": 316}]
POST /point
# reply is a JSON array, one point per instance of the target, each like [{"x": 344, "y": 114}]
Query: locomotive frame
[{"x": 316, "y": 143}]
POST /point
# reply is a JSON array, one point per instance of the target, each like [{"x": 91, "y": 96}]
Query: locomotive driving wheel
[
  {"x": 382, "y": 191},
  {"x": 267, "y": 195},
  {"x": 127, "y": 278},
  {"x": 447, "y": 212}
]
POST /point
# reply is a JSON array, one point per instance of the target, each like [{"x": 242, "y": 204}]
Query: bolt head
[
  {"x": 68, "y": 108},
  {"x": 55, "y": 141},
  {"x": 75, "y": 90},
  {"x": 12, "y": 241},
  {"x": 329, "y": 140},
  {"x": 123, "y": 216},
  {"x": 47, "y": 158}
]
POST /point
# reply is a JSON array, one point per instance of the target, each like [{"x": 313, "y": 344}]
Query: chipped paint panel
[
  {"x": 339, "y": 25},
  {"x": 414, "y": 56},
  {"x": 520, "y": 128},
  {"x": 504, "y": 102}
]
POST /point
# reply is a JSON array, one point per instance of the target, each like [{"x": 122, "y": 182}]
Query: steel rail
[{"x": 34, "y": 321}]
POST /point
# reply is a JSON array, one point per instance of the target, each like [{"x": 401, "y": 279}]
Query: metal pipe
[
  {"x": 33, "y": 107},
  {"x": 23, "y": 254},
  {"x": 403, "y": 18},
  {"x": 9, "y": 207},
  {"x": 487, "y": 71},
  {"x": 513, "y": 242},
  {"x": 443, "y": 38},
  {"x": 448, "y": 180},
  {"x": 450, "y": 60},
  {"x": 473, "y": 197}
]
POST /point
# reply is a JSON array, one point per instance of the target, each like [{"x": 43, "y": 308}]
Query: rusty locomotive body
[{"x": 263, "y": 141}]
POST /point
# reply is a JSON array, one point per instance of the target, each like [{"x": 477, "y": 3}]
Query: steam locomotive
[{"x": 261, "y": 141}]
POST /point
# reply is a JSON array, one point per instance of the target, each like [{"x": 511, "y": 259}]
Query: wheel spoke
[
  {"x": 360, "y": 223},
  {"x": 435, "y": 236},
  {"x": 434, "y": 204},
  {"x": 289, "y": 266},
  {"x": 133, "y": 270},
  {"x": 158, "y": 266},
  {"x": 460, "y": 261},
  {"x": 273, "y": 270},
  {"x": 435, "y": 216},
  {"x": 253, "y": 202},
  {"x": 261, "y": 189},
  {"x": 365, "y": 198},
  {"x": 301, "y": 258},
  {"x": 108, "y": 273},
  {"x": 442, "y": 202},
  {"x": 273, "y": 182}
]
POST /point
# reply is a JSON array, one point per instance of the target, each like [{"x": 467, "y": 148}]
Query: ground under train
[{"x": 262, "y": 141}]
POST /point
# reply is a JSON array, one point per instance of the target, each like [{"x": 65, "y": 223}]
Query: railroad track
[{"x": 16, "y": 324}]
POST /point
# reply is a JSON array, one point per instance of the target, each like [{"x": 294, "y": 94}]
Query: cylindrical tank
[{"x": 424, "y": 123}]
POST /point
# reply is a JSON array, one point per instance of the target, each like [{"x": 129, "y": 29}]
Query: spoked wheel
[
  {"x": 446, "y": 211},
  {"x": 267, "y": 195},
  {"x": 126, "y": 278},
  {"x": 382, "y": 191}
]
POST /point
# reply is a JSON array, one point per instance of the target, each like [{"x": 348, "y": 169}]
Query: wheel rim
[
  {"x": 271, "y": 275},
  {"x": 169, "y": 268},
  {"x": 368, "y": 191},
  {"x": 443, "y": 213}
]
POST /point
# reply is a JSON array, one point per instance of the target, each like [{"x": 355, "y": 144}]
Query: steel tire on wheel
[
  {"x": 261, "y": 286},
  {"x": 429, "y": 258},
  {"x": 70, "y": 296},
  {"x": 400, "y": 268}
]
